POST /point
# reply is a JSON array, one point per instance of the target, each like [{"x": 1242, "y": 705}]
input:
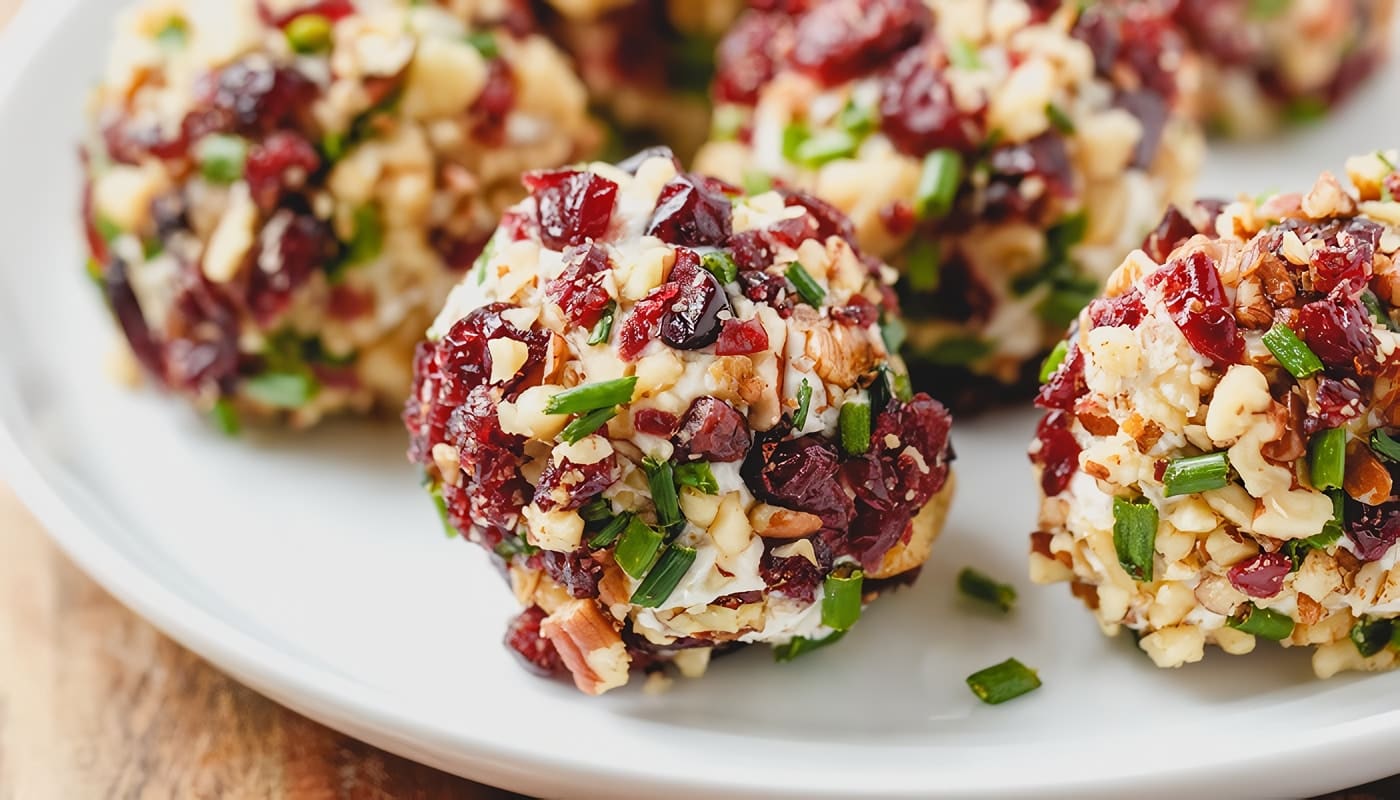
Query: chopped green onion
[
  {"x": 957, "y": 351},
  {"x": 1052, "y": 362},
  {"x": 697, "y": 475},
  {"x": 808, "y": 289},
  {"x": 281, "y": 389},
  {"x": 963, "y": 55},
  {"x": 636, "y": 550},
  {"x": 903, "y": 388},
  {"x": 855, "y": 425},
  {"x": 221, "y": 157},
  {"x": 485, "y": 43},
  {"x": 1063, "y": 304},
  {"x": 1384, "y": 159},
  {"x": 586, "y": 424},
  {"x": 793, "y": 136},
  {"x": 592, "y": 396},
  {"x": 513, "y": 546},
  {"x": 841, "y": 597},
  {"x": 333, "y": 146},
  {"x": 175, "y": 34},
  {"x": 1191, "y": 474},
  {"x": 1266, "y": 9},
  {"x": 938, "y": 183},
  {"x": 922, "y": 264},
  {"x": 1304, "y": 109},
  {"x": 225, "y": 417},
  {"x": 1001, "y": 682},
  {"x": 721, "y": 265},
  {"x": 1371, "y": 635},
  {"x": 106, "y": 228},
  {"x": 662, "y": 480},
  {"x": 309, "y": 33},
  {"x": 801, "y": 646},
  {"x": 602, "y": 332},
  {"x": 1377, "y": 312},
  {"x": 609, "y": 533},
  {"x": 1059, "y": 119},
  {"x": 857, "y": 119},
  {"x": 1328, "y": 458},
  {"x": 1291, "y": 352},
  {"x": 596, "y": 510},
  {"x": 1384, "y": 446},
  {"x": 726, "y": 122},
  {"x": 1135, "y": 536},
  {"x": 757, "y": 182},
  {"x": 664, "y": 577},
  {"x": 893, "y": 332},
  {"x": 367, "y": 241},
  {"x": 978, "y": 586},
  {"x": 441, "y": 505},
  {"x": 804, "y": 403},
  {"x": 825, "y": 146},
  {"x": 1262, "y": 622}
]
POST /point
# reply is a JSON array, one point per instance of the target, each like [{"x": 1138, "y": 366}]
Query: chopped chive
[
  {"x": 513, "y": 546},
  {"x": 485, "y": 43},
  {"x": 1052, "y": 362},
  {"x": 333, "y": 146},
  {"x": 922, "y": 266},
  {"x": 841, "y": 597},
  {"x": 440, "y": 504},
  {"x": 804, "y": 403},
  {"x": 1384, "y": 446},
  {"x": 281, "y": 389},
  {"x": 602, "y": 332},
  {"x": 903, "y": 387},
  {"x": 893, "y": 332},
  {"x": 1304, "y": 109},
  {"x": 855, "y": 425},
  {"x": 957, "y": 351},
  {"x": 963, "y": 55},
  {"x": 664, "y": 577},
  {"x": 1371, "y": 635},
  {"x": 609, "y": 533},
  {"x": 1262, "y": 622},
  {"x": 1001, "y": 682},
  {"x": 697, "y": 475},
  {"x": 662, "y": 480},
  {"x": 107, "y": 229},
  {"x": 793, "y": 137},
  {"x": 1063, "y": 304},
  {"x": 721, "y": 265},
  {"x": 808, "y": 289},
  {"x": 586, "y": 424},
  {"x": 938, "y": 183},
  {"x": 856, "y": 119},
  {"x": 757, "y": 182},
  {"x": 825, "y": 146},
  {"x": 1135, "y": 536},
  {"x": 592, "y": 396},
  {"x": 1377, "y": 311},
  {"x": 726, "y": 122},
  {"x": 1266, "y": 9},
  {"x": 1059, "y": 119},
  {"x": 636, "y": 550},
  {"x": 596, "y": 510},
  {"x": 225, "y": 417},
  {"x": 1191, "y": 474},
  {"x": 221, "y": 157},
  {"x": 174, "y": 36},
  {"x": 1291, "y": 352},
  {"x": 801, "y": 646},
  {"x": 367, "y": 241},
  {"x": 309, "y": 33},
  {"x": 1328, "y": 458},
  {"x": 978, "y": 586}
]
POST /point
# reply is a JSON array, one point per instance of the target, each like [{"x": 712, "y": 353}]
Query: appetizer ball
[
  {"x": 668, "y": 410},
  {"x": 647, "y": 63},
  {"x": 1282, "y": 60},
  {"x": 1005, "y": 155},
  {"x": 1217, "y": 458},
  {"x": 280, "y": 194}
]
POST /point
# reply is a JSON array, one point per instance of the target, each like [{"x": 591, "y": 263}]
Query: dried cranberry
[
  {"x": 1345, "y": 261},
  {"x": 571, "y": 206},
  {"x": 751, "y": 250},
  {"x": 801, "y": 474},
  {"x": 963, "y": 295},
  {"x": 1058, "y": 453},
  {"x": 1066, "y": 385},
  {"x": 1152, "y": 112},
  {"x": 712, "y": 430},
  {"x": 858, "y": 313},
  {"x": 1339, "y": 332},
  {"x": 842, "y": 39},
  {"x": 1372, "y": 529},
  {"x": 330, "y": 9},
  {"x": 1111, "y": 312},
  {"x": 1171, "y": 232},
  {"x": 491, "y": 108},
  {"x": 741, "y": 337},
  {"x": 291, "y": 248},
  {"x": 201, "y": 343},
  {"x": 1338, "y": 401},
  {"x": 464, "y": 358},
  {"x": 566, "y": 485},
  {"x": 125, "y": 307},
  {"x": 795, "y": 576},
  {"x": 830, "y": 221},
  {"x": 252, "y": 99},
  {"x": 634, "y": 162},
  {"x": 493, "y": 492},
  {"x": 536, "y": 653},
  {"x": 743, "y": 61},
  {"x": 917, "y": 111},
  {"x": 129, "y": 142},
  {"x": 694, "y": 319},
  {"x": 639, "y": 328},
  {"x": 921, "y": 425},
  {"x": 579, "y": 288},
  {"x": 1262, "y": 575},
  {"x": 348, "y": 303},
  {"x": 1044, "y": 158},
  {"x": 763, "y": 287},
  {"x": 655, "y": 422},
  {"x": 282, "y": 162},
  {"x": 1138, "y": 37},
  {"x": 577, "y": 572},
  {"x": 791, "y": 232},
  {"x": 1196, "y": 300},
  {"x": 689, "y": 214}
]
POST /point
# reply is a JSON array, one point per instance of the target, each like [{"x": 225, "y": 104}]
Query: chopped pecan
[
  {"x": 1288, "y": 420},
  {"x": 840, "y": 354},
  {"x": 589, "y": 645},
  {"x": 1252, "y": 309},
  {"x": 1367, "y": 480},
  {"x": 1309, "y": 610},
  {"x": 1216, "y": 594},
  {"x": 781, "y": 523},
  {"x": 1093, "y": 415},
  {"x": 736, "y": 380},
  {"x": 1096, "y": 470},
  {"x": 1087, "y": 593},
  {"x": 1275, "y": 279},
  {"x": 1145, "y": 432}
]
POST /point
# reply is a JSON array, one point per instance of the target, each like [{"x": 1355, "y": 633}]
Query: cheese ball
[
  {"x": 1268, "y": 63},
  {"x": 279, "y": 195},
  {"x": 668, "y": 411},
  {"x": 1217, "y": 457},
  {"x": 1003, "y": 155}
]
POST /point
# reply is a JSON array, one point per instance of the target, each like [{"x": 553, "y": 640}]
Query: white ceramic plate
[{"x": 312, "y": 568}]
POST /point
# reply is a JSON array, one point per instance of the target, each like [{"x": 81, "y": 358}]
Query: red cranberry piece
[
  {"x": 458, "y": 253},
  {"x": 741, "y": 337},
  {"x": 712, "y": 430},
  {"x": 859, "y": 313},
  {"x": 493, "y": 106},
  {"x": 917, "y": 111},
  {"x": 922, "y": 424},
  {"x": 1171, "y": 232},
  {"x": 125, "y": 307},
  {"x": 1066, "y": 385},
  {"x": 201, "y": 342},
  {"x": 518, "y": 227},
  {"x": 579, "y": 288},
  {"x": 634, "y": 162},
  {"x": 536, "y": 653},
  {"x": 801, "y": 474},
  {"x": 791, "y": 232},
  {"x": 1372, "y": 529},
  {"x": 330, "y": 9},
  {"x": 843, "y": 39},
  {"x": 292, "y": 247},
  {"x": 1058, "y": 454},
  {"x": 751, "y": 250},
  {"x": 493, "y": 492},
  {"x": 571, "y": 206},
  {"x": 744, "y": 63},
  {"x": 1125, "y": 309},
  {"x": 577, "y": 572},
  {"x": 1345, "y": 261},
  {"x": 873, "y": 532},
  {"x": 830, "y": 221},
  {"x": 566, "y": 485},
  {"x": 1044, "y": 158},
  {"x": 795, "y": 576},
  {"x": 1152, "y": 111},
  {"x": 1339, "y": 332},
  {"x": 694, "y": 319},
  {"x": 690, "y": 215},
  {"x": 348, "y": 303},
  {"x": 252, "y": 99},
  {"x": 898, "y": 218},
  {"x": 655, "y": 422},
  {"x": 1338, "y": 402},
  {"x": 762, "y": 287},
  {"x": 464, "y": 358},
  {"x": 97, "y": 246},
  {"x": 1196, "y": 300},
  {"x": 639, "y": 328},
  {"x": 282, "y": 162},
  {"x": 129, "y": 143},
  {"x": 962, "y": 294},
  {"x": 1262, "y": 575},
  {"x": 1140, "y": 38}
]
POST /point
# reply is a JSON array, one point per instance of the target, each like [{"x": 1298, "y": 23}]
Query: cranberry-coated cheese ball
[
  {"x": 668, "y": 409},
  {"x": 1267, "y": 63},
  {"x": 281, "y": 193},
  {"x": 1217, "y": 460},
  {"x": 1004, "y": 155}
]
